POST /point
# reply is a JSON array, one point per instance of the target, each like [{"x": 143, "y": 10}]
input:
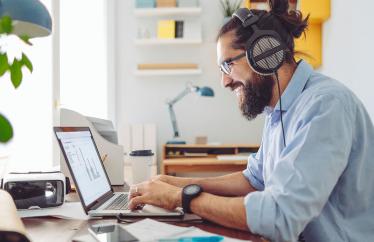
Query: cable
[{"x": 280, "y": 106}]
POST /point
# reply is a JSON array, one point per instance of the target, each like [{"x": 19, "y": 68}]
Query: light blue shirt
[{"x": 322, "y": 183}]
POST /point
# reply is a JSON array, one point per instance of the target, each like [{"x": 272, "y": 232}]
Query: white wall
[
  {"x": 348, "y": 48},
  {"x": 142, "y": 100}
]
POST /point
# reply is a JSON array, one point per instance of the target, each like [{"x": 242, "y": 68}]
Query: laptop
[{"x": 91, "y": 180}]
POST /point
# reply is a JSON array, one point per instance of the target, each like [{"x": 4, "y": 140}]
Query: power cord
[{"x": 280, "y": 106}]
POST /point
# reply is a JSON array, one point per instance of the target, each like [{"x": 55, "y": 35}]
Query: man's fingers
[
  {"x": 134, "y": 192},
  {"x": 136, "y": 202}
]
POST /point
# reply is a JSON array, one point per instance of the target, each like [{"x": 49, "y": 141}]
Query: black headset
[{"x": 265, "y": 49}]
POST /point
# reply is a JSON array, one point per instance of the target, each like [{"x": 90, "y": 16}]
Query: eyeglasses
[{"x": 225, "y": 66}]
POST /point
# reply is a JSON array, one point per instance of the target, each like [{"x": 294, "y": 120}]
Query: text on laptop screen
[{"x": 85, "y": 163}]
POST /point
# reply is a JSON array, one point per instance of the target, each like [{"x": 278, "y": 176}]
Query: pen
[{"x": 194, "y": 239}]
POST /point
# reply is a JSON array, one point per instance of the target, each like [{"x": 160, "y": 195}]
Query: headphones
[{"x": 265, "y": 50}]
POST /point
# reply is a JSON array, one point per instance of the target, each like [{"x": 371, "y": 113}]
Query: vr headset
[{"x": 36, "y": 189}]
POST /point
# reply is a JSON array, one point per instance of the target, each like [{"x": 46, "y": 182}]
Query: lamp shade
[
  {"x": 205, "y": 92},
  {"x": 30, "y": 17}
]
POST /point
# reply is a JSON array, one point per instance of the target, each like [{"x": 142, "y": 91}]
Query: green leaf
[
  {"x": 16, "y": 73},
  {"x": 6, "y": 130},
  {"x": 6, "y": 25},
  {"x": 26, "y": 61},
  {"x": 26, "y": 39},
  {"x": 4, "y": 65}
]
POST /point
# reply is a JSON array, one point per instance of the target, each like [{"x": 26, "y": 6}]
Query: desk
[
  {"x": 61, "y": 230},
  {"x": 203, "y": 158}
]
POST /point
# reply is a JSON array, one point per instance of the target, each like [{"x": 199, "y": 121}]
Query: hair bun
[{"x": 278, "y": 7}]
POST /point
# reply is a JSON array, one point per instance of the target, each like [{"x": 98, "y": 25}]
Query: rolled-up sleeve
[
  {"x": 253, "y": 173},
  {"x": 304, "y": 175}
]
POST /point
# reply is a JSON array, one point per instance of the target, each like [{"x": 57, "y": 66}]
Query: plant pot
[{"x": 10, "y": 223}]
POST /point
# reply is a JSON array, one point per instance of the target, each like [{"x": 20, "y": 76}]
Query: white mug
[{"x": 141, "y": 165}]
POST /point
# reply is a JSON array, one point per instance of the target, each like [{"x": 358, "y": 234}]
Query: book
[
  {"x": 241, "y": 156},
  {"x": 166, "y": 29},
  {"x": 179, "y": 29},
  {"x": 163, "y": 66}
]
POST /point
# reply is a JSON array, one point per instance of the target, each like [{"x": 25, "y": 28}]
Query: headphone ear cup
[{"x": 266, "y": 54}]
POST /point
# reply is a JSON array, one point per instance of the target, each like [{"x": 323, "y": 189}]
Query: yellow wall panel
[
  {"x": 319, "y": 10},
  {"x": 311, "y": 45}
]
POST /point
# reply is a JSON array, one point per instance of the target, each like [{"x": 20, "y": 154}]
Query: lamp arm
[
  {"x": 173, "y": 120},
  {"x": 181, "y": 95}
]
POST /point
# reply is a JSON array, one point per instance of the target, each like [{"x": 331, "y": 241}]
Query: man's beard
[{"x": 257, "y": 94}]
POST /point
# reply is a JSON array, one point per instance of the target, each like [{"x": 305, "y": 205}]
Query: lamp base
[{"x": 176, "y": 142}]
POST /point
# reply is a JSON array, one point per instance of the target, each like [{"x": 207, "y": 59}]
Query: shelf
[
  {"x": 171, "y": 72},
  {"x": 154, "y": 41},
  {"x": 149, "y": 12}
]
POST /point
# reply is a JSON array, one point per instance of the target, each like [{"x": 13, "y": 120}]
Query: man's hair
[{"x": 288, "y": 24}]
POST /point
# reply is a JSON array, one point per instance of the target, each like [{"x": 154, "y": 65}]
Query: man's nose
[{"x": 226, "y": 80}]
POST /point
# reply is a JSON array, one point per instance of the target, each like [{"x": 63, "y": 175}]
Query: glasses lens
[{"x": 225, "y": 68}]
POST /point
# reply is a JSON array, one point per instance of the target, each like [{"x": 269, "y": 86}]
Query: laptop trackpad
[{"x": 153, "y": 209}]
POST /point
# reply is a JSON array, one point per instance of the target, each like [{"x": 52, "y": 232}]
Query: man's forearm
[
  {"x": 234, "y": 184},
  {"x": 227, "y": 211}
]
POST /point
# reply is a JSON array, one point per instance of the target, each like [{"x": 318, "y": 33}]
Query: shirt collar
[{"x": 296, "y": 85}]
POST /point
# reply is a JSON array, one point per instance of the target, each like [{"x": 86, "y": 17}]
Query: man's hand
[
  {"x": 155, "y": 192},
  {"x": 163, "y": 178}
]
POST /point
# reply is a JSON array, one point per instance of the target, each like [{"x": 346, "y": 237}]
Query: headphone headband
[
  {"x": 246, "y": 16},
  {"x": 265, "y": 48}
]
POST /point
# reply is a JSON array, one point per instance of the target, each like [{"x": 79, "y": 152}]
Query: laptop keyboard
[{"x": 120, "y": 203}]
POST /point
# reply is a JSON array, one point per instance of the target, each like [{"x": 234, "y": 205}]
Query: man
[{"x": 313, "y": 174}]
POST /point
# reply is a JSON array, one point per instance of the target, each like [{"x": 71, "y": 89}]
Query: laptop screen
[{"x": 85, "y": 164}]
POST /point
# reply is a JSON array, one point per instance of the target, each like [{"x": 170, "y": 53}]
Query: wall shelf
[
  {"x": 168, "y": 72},
  {"x": 149, "y": 12},
  {"x": 154, "y": 41}
]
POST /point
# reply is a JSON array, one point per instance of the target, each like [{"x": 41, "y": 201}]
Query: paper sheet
[
  {"x": 152, "y": 230},
  {"x": 69, "y": 210}
]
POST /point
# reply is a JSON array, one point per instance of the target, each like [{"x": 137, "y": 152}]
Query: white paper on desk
[
  {"x": 68, "y": 210},
  {"x": 152, "y": 230}
]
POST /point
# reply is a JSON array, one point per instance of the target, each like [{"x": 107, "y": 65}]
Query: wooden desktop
[
  {"x": 205, "y": 158},
  {"x": 60, "y": 230}
]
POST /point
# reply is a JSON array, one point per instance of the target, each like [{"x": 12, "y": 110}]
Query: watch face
[{"x": 192, "y": 189}]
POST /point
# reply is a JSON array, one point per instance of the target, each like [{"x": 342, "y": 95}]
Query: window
[
  {"x": 83, "y": 50},
  {"x": 29, "y": 109}
]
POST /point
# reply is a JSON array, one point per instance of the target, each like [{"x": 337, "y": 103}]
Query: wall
[
  {"x": 348, "y": 47},
  {"x": 142, "y": 100}
]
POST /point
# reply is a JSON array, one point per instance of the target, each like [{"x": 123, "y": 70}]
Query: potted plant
[
  {"x": 33, "y": 20},
  {"x": 10, "y": 225},
  {"x": 229, "y": 7}
]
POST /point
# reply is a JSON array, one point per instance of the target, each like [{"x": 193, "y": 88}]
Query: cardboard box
[{"x": 166, "y": 3}]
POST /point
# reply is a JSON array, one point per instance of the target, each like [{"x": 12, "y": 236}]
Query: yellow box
[{"x": 166, "y": 29}]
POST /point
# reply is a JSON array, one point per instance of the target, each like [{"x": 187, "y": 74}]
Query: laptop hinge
[{"x": 100, "y": 201}]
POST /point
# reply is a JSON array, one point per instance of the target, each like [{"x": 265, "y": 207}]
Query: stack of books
[
  {"x": 170, "y": 29},
  {"x": 166, "y": 66}
]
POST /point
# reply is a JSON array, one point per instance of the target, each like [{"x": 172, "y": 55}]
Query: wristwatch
[{"x": 189, "y": 192}]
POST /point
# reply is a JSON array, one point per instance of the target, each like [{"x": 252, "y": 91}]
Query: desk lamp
[
  {"x": 30, "y": 17},
  {"x": 201, "y": 91}
]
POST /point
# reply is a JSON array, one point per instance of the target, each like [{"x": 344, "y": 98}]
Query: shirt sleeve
[
  {"x": 307, "y": 171},
  {"x": 253, "y": 173}
]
